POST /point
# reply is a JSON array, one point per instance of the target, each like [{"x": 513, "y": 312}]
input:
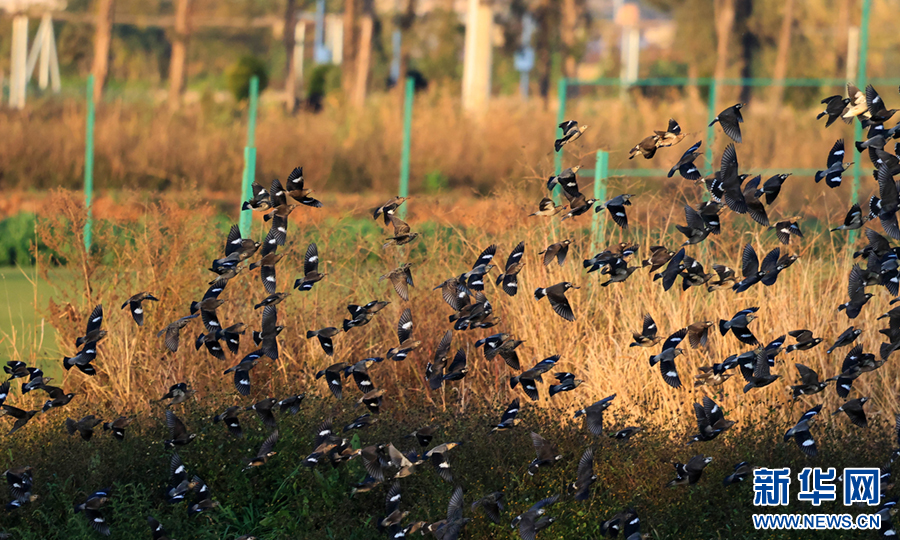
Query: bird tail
[
  {"x": 820, "y": 115},
  {"x": 819, "y": 176},
  {"x": 311, "y": 334},
  {"x": 558, "y": 144},
  {"x": 723, "y": 326},
  {"x": 246, "y": 205},
  {"x": 555, "y": 388},
  {"x": 711, "y": 124},
  {"x": 195, "y": 306},
  {"x": 860, "y": 146},
  {"x": 653, "y": 360},
  {"x": 539, "y": 293},
  {"x": 513, "y": 381},
  {"x": 347, "y": 324},
  {"x": 671, "y": 172}
]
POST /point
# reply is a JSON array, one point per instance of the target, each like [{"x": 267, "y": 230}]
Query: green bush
[
  {"x": 16, "y": 240},
  {"x": 242, "y": 71}
]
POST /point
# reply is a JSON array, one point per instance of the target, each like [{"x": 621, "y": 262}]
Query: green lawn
[{"x": 23, "y": 333}]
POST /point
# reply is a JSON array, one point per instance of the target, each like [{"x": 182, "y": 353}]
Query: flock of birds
[{"x": 465, "y": 294}]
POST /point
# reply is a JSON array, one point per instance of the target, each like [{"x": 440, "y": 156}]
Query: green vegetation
[
  {"x": 283, "y": 500},
  {"x": 242, "y": 71},
  {"x": 24, "y": 333}
]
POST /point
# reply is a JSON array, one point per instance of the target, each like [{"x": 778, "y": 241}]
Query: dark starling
[
  {"x": 648, "y": 336},
  {"x": 311, "y": 274},
  {"x": 710, "y": 421},
  {"x": 809, "y": 382},
  {"x": 402, "y": 234},
  {"x": 834, "y": 108},
  {"x": 666, "y": 358},
  {"x": 514, "y": 265},
  {"x": 854, "y": 410},
  {"x": 836, "y": 167},
  {"x": 508, "y": 420},
  {"x": 401, "y": 279},
  {"x": 556, "y": 295},
  {"x": 93, "y": 333},
  {"x": 742, "y": 471},
  {"x": 294, "y": 187},
  {"x": 800, "y": 433},
  {"x": 173, "y": 331},
  {"x": 548, "y": 208},
  {"x": 229, "y": 417},
  {"x": 571, "y": 132},
  {"x": 730, "y": 120},
  {"x": 689, "y": 474},
  {"x": 389, "y": 208},
  {"x": 556, "y": 251},
  {"x": 738, "y": 326},
  {"x": 136, "y": 307},
  {"x": 616, "y": 207},
  {"x": 585, "y": 476},
  {"x": 805, "y": 340},
  {"x": 847, "y": 337},
  {"x": 177, "y": 431},
  {"x": 685, "y": 165},
  {"x": 593, "y": 415}
]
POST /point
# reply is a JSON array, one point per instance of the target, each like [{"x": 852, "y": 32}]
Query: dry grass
[
  {"x": 345, "y": 150},
  {"x": 168, "y": 249}
]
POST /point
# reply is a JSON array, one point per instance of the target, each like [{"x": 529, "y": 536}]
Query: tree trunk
[
  {"x": 724, "y": 13},
  {"x": 290, "y": 72},
  {"x": 840, "y": 42},
  {"x": 567, "y": 36},
  {"x": 784, "y": 49},
  {"x": 102, "y": 41},
  {"x": 364, "y": 56},
  {"x": 177, "y": 64},
  {"x": 543, "y": 16},
  {"x": 348, "y": 74},
  {"x": 407, "y": 18}
]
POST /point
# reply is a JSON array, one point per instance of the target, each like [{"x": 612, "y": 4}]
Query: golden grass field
[{"x": 168, "y": 248}]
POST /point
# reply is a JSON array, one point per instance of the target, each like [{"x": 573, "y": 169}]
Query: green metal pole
[
  {"x": 601, "y": 173},
  {"x": 562, "y": 92},
  {"x": 410, "y": 93},
  {"x": 711, "y": 113},
  {"x": 89, "y": 163},
  {"x": 861, "y": 81},
  {"x": 249, "y": 156}
]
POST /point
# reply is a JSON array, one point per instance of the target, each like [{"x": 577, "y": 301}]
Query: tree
[
  {"x": 784, "y": 47},
  {"x": 364, "y": 54},
  {"x": 290, "y": 71},
  {"x": 724, "y": 23},
  {"x": 102, "y": 41},
  {"x": 177, "y": 64},
  {"x": 567, "y": 36},
  {"x": 348, "y": 74}
]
